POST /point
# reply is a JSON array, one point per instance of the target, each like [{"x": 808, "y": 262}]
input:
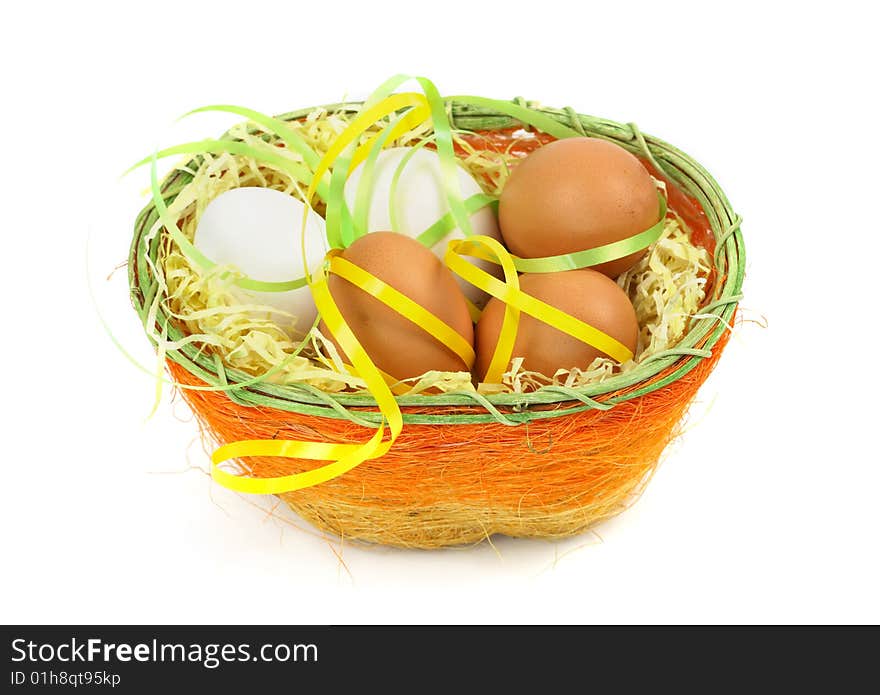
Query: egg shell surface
[
  {"x": 576, "y": 194},
  {"x": 586, "y": 294},
  {"x": 258, "y": 231}
]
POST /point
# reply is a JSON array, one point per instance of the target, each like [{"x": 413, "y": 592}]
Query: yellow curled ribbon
[
  {"x": 408, "y": 122},
  {"x": 512, "y": 296},
  {"x": 510, "y": 323},
  {"x": 344, "y": 457},
  {"x": 403, "y": 305}
]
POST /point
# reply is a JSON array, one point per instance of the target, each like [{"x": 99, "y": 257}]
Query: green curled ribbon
[
  {"x": 435, "y": 233},
  {"x": 597, "y": 255}
]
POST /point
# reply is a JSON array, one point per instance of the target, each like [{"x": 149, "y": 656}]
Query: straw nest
[{"x": 547, "y": 462}]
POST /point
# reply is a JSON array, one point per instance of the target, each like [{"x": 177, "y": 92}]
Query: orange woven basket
[{"x": 545, "y": 464}]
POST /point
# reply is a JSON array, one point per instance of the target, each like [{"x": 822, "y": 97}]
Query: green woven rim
[{"x": 461, "y": 408}]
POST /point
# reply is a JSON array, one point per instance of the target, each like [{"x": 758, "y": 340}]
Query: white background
[{"x": 766, "y": 511}]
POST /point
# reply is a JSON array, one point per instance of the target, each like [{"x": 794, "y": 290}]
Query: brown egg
[
  {"x": 577, "y": 194},
  {"x": 394, "y": 343},
  {"x": 585, "y": 294}
]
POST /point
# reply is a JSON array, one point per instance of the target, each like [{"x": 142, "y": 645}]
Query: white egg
[
  {"x": 420, "y": 200},
  {"x": 258, "y": 231}
]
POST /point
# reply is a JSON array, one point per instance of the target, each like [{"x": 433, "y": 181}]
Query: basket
[{"x": 551, "y": 463}]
